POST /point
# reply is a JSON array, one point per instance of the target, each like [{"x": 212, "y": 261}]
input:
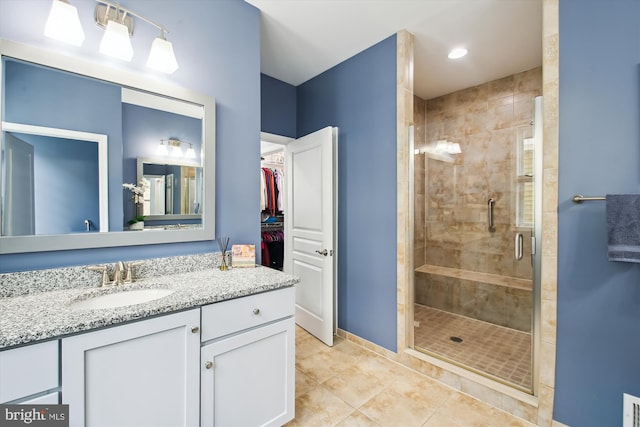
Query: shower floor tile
[{"x": 502, "y": 352}]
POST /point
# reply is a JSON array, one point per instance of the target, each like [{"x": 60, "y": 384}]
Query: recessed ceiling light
[{"x": 457, "y": 53}]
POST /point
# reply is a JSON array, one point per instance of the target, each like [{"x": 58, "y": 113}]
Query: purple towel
[{"x": 623, "y": 227}]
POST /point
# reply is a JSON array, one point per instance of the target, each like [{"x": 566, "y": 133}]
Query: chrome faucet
[{"x": 122, "y": 273}]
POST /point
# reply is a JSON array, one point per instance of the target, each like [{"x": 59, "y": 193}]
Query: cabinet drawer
[
  {"x": 227, "y": 317},
  {"x": 28, "y": 370}
]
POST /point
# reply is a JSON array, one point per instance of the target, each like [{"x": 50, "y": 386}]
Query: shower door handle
[
  {"x": 490, "y": 204},
  {"x": 518, "y": 246}
]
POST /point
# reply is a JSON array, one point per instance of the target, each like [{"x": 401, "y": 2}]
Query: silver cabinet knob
[
  {"x": 256, "y": 311},
  {"x": 208, "y": 365},
  {"x": 195, "y": 329}
]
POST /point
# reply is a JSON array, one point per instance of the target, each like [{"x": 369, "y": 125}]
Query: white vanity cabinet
[
  {"x": 29, "y": 374},
  {"x": 144, "y": 373},
  {"x": 248, "y": 361}
]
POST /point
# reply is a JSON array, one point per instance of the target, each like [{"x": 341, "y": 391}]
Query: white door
[
  {"x": 19, "y": 217},
  {"x": 310, "y": 234}
]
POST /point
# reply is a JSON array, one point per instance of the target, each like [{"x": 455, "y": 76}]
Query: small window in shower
[{"x": 524, "y": 181}]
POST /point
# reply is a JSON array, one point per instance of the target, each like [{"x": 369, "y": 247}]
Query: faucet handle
[
  {"x": 104, "y": 279},
  {"x": 128, "y": 278}
]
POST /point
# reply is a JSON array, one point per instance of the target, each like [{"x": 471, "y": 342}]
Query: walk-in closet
[{"x": 272, "y": 202}]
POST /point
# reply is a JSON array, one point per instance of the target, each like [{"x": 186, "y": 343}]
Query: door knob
[
  {"x": 208, "y": 365},
  {"x": 323, "y": 252}
]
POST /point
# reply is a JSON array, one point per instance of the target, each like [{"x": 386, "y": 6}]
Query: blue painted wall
[
  {"x": 277, "y": 106},
  {"x": 598, "y": 347},
  {"x": 65, "y": 184},
  {"x": 359, "y": 97},
  {"x": 217, "y": 45}
]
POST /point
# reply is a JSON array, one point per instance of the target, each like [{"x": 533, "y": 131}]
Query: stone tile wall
[{"x": 451, "y": 194}]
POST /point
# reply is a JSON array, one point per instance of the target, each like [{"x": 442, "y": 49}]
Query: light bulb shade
[
  {"x": 116, "y": 41},
  {"x": 63, "y": 23},
  {"x": 162, "y": 149},
  {"x": 176, "y": 151},
  {"x": 190, "y": 154},
  {"x": 454, "y": 148},
  {"x": 161, "y": 57},
  {"x": 441, "y": 146}
]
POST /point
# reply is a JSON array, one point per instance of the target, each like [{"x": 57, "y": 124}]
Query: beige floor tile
[
  {"x": 358, "y": 419},
  {"x": 324, "y": 364},
  {"x": 304, "y": 383},
  {"x": 354, "y": 386},
  {"x": 422, "y": 390},
  {"x": 307, "y": 347},
  {"x": 391, "y": 409},
  {"x": 348, "y": 385},
  {"x": 320, "y": 407},
  {"x": 466, "y": 411}
]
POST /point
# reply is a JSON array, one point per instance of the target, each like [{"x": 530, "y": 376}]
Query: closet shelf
[{"x": 269, "y": 225}]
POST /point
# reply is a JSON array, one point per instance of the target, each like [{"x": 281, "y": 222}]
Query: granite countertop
[{"x": 46, "y": 315}]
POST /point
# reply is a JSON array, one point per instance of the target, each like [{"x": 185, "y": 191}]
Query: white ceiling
[{"x": 303, "y": 38}]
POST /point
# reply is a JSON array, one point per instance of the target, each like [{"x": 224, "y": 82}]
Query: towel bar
[{"x": 579, "y": 198}]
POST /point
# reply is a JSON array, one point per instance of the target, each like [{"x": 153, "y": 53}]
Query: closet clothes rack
[{"x": 272, "y": 211}]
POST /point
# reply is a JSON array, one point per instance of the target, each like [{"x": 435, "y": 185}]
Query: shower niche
[{"x": 474, "y": 228}]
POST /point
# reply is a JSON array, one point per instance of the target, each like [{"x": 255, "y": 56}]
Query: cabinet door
[
  {"x": 248, "y": 379},
  {"x": 140, "y": 374},
  {"x": 28, "y": 370}
]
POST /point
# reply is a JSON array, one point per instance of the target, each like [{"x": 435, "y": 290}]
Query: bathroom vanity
[{"x": 218, "y": 350}]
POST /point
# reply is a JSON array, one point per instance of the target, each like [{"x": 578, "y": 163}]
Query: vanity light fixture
[
  {"x": 457, "y": 53},
  {"x": 63, "y": 23},
  {"x": 173, "y": 148}
]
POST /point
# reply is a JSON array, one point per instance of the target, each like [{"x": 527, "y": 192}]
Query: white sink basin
[{"x": 121, "y": 299}]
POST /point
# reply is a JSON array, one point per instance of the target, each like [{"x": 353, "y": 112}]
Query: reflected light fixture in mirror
[
  {"x": 173, "y": 148},
  {"x": 63, "y": 23},
  {"x": 190, "y": 154}
]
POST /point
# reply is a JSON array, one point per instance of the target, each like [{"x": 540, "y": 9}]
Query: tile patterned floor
[
  {"x": 347, "y": 385},
  {"x": 496, "y": 350}
]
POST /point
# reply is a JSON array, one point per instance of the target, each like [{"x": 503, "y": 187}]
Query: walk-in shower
[{"x": 475, "y": 214}]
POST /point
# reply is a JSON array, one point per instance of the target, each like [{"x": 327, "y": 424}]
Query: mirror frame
[{"x": 140, "y": 82}]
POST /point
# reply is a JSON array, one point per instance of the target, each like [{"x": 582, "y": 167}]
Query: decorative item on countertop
[
  {"x": 223, "y": 243},
  {"x": 243, "y": 256},
  {"x": 137, "y": 223}
]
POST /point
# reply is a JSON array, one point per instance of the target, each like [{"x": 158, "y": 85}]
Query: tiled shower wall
[{"x": 451, "y": 194}]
